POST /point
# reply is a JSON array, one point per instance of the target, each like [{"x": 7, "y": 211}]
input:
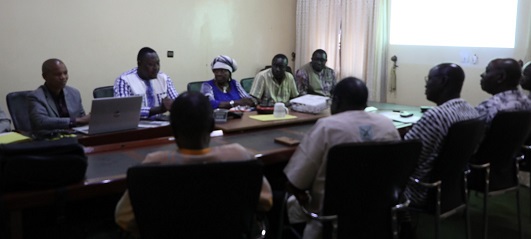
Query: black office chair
[
  {"x": 363, "y": 184},
  {"x": 447, "y": 193},
  {"x": 17, "y": 104},
  {"x": 494, "y": 169},
  {"x": 525, "y": 162},
  {"x": 247, "y": 83},
  {"x": 104, "y": 91},
  {"x": 215, "y": 200},
  {"x": 194, "y": 86}
]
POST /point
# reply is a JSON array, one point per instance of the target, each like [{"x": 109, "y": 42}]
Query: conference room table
[{"x": 110, "y": 155}]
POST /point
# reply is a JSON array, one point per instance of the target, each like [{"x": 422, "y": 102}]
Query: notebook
[{"x": 112, "y": 114}]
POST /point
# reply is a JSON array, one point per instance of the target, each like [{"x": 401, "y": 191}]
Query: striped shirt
[
  {"x": 130, "y": 84},
  {"x": 266, "y": 88},
  {"x": 511, "y": 100},
  {"x": 431, "y": 130}
]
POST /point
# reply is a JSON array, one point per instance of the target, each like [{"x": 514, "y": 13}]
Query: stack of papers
[{"x": 13, "y": 137}]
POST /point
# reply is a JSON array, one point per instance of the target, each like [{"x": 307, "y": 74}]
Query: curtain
[
  {"x": 317, "y": 27},
  {"x": 360, "y": 28}
]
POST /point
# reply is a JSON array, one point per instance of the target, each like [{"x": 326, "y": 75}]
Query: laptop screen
[{"x": 113, "y": 114}]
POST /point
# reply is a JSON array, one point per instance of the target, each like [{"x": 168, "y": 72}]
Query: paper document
[{"x": 395, "y": 116}]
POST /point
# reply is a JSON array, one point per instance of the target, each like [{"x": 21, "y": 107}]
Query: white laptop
[{"x": 113, "y": 114}]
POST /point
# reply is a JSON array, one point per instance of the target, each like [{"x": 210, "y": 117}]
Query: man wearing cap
[
  {"x": 223, "y": 91},
  {"x": 146, "y": 80}
]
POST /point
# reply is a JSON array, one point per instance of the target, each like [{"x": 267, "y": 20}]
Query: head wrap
[{"x": 224, "y": 62}]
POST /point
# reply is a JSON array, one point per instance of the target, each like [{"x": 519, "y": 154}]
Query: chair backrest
[
  {"x": 247, "y": 83},
  {"x": 17, "y": 104},
  {"x": 363, "y": 182},
  {"x": 503, "y": 141},
  {"x": 215, "y": 200},
  {"x": 104, "y": 91},
  {"x": 460, "y": 144},
  {"x": 194, "y": 86}
]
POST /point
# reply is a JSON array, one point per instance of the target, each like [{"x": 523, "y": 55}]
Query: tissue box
[{"x": 310, "y": 104}]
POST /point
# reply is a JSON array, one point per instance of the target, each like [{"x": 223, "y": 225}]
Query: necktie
[{"x": 149, "y": 94}]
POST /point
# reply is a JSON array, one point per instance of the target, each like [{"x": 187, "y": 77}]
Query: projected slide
[{"x": 464, "y": 23}]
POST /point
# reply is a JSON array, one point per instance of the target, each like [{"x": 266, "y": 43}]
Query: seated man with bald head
[
  {"x": 501, "y": 79},
  {"x": 54, "y": 105},
  {"x": 443, "y": 87},
  {"x": 348, "y": 123},
  {"x": 192, "y": 122}
]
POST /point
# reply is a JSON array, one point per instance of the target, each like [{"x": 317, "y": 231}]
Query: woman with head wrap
[
  {"x": 525, "y": 82},
  {"x": 223, "y": 91}
]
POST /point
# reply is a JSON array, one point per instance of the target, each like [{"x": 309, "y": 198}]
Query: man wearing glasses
[{"x": 315, "y": 77}]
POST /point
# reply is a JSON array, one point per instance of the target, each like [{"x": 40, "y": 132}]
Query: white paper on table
[{"x": 395, "y": 116}]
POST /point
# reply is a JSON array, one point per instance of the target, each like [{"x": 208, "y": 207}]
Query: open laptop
[{"x": 113, "y": 114}]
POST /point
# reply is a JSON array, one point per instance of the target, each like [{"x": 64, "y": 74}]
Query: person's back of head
[
  {"x": 444, "y": 82},
  {"x": 192, "y": 120},
  {"x": 350, "y": 93}
]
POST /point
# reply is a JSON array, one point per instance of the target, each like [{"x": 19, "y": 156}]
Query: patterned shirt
[
  {"x": 311, "y": 82},
  {"x": 5, "y": 122},
  {"x": 266, "y": 88},
  {"x": 216, "y": 96},
  {"x": 431, "y": 130},
  {"x": 511, "y": 100},
  {"x": 130, "y": 84}
]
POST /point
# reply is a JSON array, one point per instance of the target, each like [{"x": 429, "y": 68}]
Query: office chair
[
  {"x": 194, "y": 86},
  {"x": 18, "y": 106},
  {"x": 247, "y": 83},
  {"x": 214, "y": 200},
  {"x": 447, "y": 192},
  {"x": 104, "y": 91},
  {"x": 363, "y": 184},
  {"x": 494, "y": 169},
  {"x": 525, "y": 161}
]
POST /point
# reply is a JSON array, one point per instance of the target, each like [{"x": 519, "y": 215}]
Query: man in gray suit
[{"x": 54, "y": 105}]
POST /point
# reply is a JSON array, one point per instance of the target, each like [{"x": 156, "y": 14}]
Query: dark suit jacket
[{"x": 44, "y": 114}]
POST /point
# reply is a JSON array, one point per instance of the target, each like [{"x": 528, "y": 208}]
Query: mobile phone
[{"x": 287, "y": 141}]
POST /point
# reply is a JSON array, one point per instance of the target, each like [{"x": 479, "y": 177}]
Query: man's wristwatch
[{"x": 231, "y": 103}]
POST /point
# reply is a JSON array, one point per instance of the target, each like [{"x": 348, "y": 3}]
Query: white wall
[
  {"x": 99, "y": 39},
  {"x": 415, "y": 62}
]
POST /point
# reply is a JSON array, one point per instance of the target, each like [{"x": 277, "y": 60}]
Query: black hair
[
  {"x": 191, "y": 116},
  {"x": 143, "y": 52}
]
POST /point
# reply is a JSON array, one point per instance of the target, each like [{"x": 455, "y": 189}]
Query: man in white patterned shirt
[
  {"x": 443, "y": 87},
  {"x": 501, "y": 79},
  {"x": 146, "y": 80}
]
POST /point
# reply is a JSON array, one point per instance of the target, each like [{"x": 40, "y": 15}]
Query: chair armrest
[
  {"x": 428, "y": 185},
  {"x": 316, "y": 216},
  {"x": 479, "y": 166}
]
